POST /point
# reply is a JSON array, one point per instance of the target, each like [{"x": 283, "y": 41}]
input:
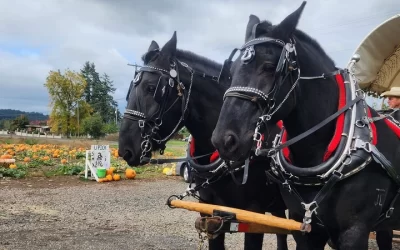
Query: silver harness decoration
[
  {"x": 155, "y": 123},
  {"x": 354, "y": 152}
]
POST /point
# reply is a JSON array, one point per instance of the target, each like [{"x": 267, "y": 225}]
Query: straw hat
[{"x": 394, "y": 91}]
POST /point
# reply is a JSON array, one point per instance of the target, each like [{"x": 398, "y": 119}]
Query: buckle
[
  {"x": 310, "y": 208},
  {"x": 363, "y": 145},
  {"x": 271, "y": 152},
  {"x": 338, "y": 174},
  {"x": 389, "y": 213},
  {"x": 141, "y": 124}
]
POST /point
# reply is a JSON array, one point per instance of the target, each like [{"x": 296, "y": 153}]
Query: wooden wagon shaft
[
  {"x": 216, "y": 225},
  {"x": 242, "y": 215}
]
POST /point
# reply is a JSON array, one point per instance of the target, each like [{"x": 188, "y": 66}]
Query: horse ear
[
  {"x": 170, "y": 47},
  {"x": 289, "y": 24},
  {"x": 153, "y": 46},
  {"x": 253, "y": 20}
]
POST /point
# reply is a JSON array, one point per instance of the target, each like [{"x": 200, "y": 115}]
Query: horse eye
[
  {"x": 151, "y": 88},
  {"x": 269, "y": 67}
]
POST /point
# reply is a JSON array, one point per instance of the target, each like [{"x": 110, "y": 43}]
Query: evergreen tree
[{"x": 98, "y": 93}]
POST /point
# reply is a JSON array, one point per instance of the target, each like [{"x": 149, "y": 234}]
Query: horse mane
[
  {"x": 197, "y": 62},
  {"x": 266, "y": 27}
]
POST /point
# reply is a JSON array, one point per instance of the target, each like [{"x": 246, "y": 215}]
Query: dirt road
[{"x": 65, "y": 213}]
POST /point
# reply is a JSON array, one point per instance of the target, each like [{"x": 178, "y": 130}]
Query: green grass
[{"x": 175, "y": 143}]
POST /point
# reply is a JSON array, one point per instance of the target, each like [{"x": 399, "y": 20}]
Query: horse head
[
  {"x": 156, "y": 91},
  {"x": 265, "y": 79}
]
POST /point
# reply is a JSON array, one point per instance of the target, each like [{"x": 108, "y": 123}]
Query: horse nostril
[
  {"x": 229, "y": 141},
  {"x": 127, "y": 155}
]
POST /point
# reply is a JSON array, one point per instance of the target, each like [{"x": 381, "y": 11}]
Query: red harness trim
[
  {"x": 340, "y": 120},
  {"x": 286, "y": 151},
  {"x": 339, "y": 124},
  {"x": 393, "y": 127},
  {"x": 213, "y": 157},
  {"x": 373, "y": 129}
]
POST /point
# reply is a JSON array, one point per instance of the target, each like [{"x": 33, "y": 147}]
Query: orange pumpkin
[
  {"x": 63, "y": 161},
  {"x": 110, "y": 171},
  {"x": 130, "y": 173},
  {"x": 109, "y": 177},
  {"x": 27, "y": 159},
  {"x": 116, "y": 177},
  {"x": 6, "y": 156},
  {"x": 13, "y": 166},
  {"x": 103, "y": 180}
]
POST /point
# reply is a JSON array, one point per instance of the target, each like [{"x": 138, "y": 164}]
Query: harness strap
[
  {"x": 245, "y": 174},
  {"x": 267, "y": 152},
  {"x": 165, "y": 160},
  {"x": 385, "y": 163}
]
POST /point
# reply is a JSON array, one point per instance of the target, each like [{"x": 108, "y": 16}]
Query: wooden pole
[
  {"x": 213, "y": 224},
  {"x": 242, "y": 215}
]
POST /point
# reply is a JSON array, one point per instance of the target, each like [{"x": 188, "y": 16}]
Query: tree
[
  {"x": 98, "y": 93},
  {"x": 20, "y": 122},
  {"x": 5, "y": 124},
  {"x": 92, "y": 79},
  {"x": 67, "y": 101},
  {"x": 110, "y": 128},
  {"x": 94, "y": 126}
]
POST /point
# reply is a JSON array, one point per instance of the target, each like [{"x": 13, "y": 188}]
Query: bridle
[
  {"x": 150, "y": 124},
  {"x": 287, "y": 67}
]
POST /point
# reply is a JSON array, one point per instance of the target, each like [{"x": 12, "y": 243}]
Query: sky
[{"x": 43, "y": 35}]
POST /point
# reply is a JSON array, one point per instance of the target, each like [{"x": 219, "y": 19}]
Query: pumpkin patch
[{"x": 19, "y": 160}]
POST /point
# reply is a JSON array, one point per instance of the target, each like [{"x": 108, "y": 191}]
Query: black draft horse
[
  {"x": 178, "y": 88},
  {"x": 336, "y": 159}
]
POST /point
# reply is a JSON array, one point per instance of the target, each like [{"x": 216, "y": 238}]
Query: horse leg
[
  {"x": 384, "y": 239},
  {"x": 253, "y": 241},
  {"x": 217, "y": 243},
  {"x": 281, "y": 239},
  {"x": 354, "y": 237},
  {"x": 315, "y": 240}
]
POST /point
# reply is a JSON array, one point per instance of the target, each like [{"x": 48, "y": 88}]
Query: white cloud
[{"x": 39, "y": 36}]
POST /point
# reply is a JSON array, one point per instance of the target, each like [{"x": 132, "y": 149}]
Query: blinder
[
  {"x": 149, "y": 125},
  {"x": 265, "y": 101},
  {"x": 167, "y": 81}
]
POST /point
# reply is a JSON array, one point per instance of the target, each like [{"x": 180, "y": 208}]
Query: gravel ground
[{"x": 65, "y": 213}]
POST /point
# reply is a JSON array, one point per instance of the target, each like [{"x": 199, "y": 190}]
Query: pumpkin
[
  {"x": 27, "y": 159},
  {"x": 6, "y": 156},
  {"x": 130, "y": 173},
  {"x": 116, "y": 177},
  {"x": 103, "y": 180},
  {"x": 110, "y": 171},
  {"x": 63, "y": 161},
  {"x": 13, "y": 166},
  {"x": 109, "y": 177}
]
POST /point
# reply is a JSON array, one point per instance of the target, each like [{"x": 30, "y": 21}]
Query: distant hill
[{"x": 7, "y": 114}]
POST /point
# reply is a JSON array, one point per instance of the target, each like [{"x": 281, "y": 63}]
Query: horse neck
[
  {"x": 205, "y": 103},
  {"x": 315, "y": 101}
]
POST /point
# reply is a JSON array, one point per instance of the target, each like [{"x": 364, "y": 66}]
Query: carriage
[{"x": 375, "y": 67}]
